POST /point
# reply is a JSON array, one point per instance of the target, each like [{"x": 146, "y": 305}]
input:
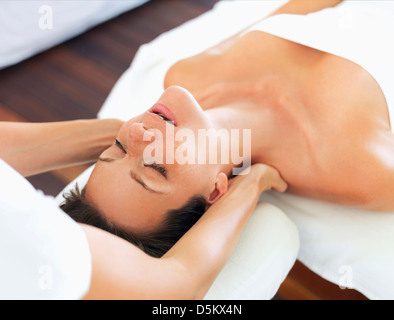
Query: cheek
[{"x": 195, "y": 179}]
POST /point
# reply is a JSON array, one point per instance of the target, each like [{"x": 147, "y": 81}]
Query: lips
[{"x": 165, "y": 112}]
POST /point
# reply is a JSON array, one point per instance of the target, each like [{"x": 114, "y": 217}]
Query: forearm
[
  {"x": 33, "y": 148},
  {"x": 205, "y": 249}
]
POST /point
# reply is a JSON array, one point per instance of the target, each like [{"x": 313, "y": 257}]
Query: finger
[
  {"x": 280, "y": 186},
  {"x": 276, "y": 182}
]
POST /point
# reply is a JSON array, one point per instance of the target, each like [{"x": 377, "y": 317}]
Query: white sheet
[
  {"x": 346, "y": 246},
  {"x": 25, "y": 25},
  {"x": 350, "y": 247}
]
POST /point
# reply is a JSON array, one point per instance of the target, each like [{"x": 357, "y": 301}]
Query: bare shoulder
[
  {"x": 361, "y": 172},
  {"x": 379, "y": 178}
]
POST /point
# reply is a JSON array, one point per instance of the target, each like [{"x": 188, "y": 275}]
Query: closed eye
[
  {"x": 120, "y": 146},
  {"x": 158, "y": 168}
]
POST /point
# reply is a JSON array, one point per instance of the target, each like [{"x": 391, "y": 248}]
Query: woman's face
[{"x": 136, "y": 195}]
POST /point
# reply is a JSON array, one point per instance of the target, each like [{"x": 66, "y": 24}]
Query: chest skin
[{"x": 327, "y": 111}]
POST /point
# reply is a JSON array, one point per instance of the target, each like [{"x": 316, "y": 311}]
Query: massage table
[{"x": 349, "y": 247}]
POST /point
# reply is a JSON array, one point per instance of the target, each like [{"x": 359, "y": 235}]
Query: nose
[
  {"x": 137, "y": 137},
  {"x": 136, "y": 131}
]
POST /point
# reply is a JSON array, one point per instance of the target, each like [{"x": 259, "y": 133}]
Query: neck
[
  {"x": 258, "y": 106},
  {"x": 250, "y": 130}
]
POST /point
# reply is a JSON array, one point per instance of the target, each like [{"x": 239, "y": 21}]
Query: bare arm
[
  {"x": 306, "y": 6},
  {"x": 121, "y": 271},
  {"x": 33, "y": 148}
]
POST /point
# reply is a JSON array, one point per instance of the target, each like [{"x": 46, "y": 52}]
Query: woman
[
  {"x": 320, "y": 119},
  {"x": 117, "y": 269}
]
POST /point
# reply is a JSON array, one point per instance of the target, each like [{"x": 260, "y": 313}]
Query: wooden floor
[
  {"x": 303, "y": 284},
  {"x": 72, "y": 80}
]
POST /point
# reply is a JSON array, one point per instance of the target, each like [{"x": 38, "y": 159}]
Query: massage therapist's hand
[
  {"x": 206, "y": 247},
  {"x": 55, "y": 145},
  {"x": 262, "y": 176}
]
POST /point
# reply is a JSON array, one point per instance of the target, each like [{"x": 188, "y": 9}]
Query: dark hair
[{"x": 156, "y": 243}]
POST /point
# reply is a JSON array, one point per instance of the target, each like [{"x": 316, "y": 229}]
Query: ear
[{"x": 220, "y": 189}]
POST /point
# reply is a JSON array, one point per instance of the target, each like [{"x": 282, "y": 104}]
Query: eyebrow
[
  {"x": 134, "y": 176},
  {"x": 142, "y": 183},
  {"x": 106, "y": 159}
]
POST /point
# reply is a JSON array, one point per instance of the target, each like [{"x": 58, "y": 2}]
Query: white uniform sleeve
[{"x": 44, "y": 254}]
